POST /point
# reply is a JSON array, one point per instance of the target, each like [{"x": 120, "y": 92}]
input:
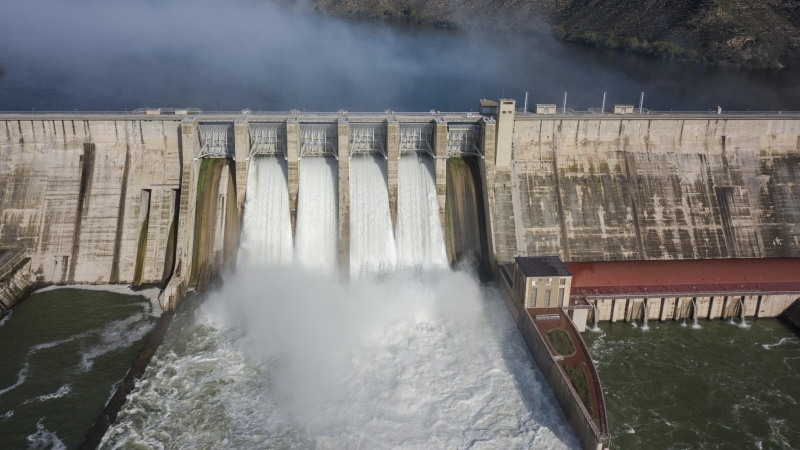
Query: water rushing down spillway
[
  {"x": 317, "y": 233},
  {"x": 418, "y": 234},
  {"x": 372, "y": 247},
  {"x": 267, "y": 229},
  {"x": 286, "y": 356}
]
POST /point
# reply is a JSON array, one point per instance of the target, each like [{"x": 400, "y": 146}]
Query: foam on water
[
  {"x": 44, "y": 439},
  {"x": 317, "y": 239},
  {"x": 418, "y": 233},
  {"x": 5, "y": 319},
  {"x": 372, "y": 247},
  {"x": 62, "y": 391},
  {"x": 284, "y": 358},
  {"x": 116, "y": 335},
  {"x": 267, "y": 228}
]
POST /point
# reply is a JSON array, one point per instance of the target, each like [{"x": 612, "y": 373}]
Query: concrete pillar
[
  {"x": 618, "y": 309},
  {"x": 505, "y": 132},
  {"x": 440, "y": 166},
  {"x": 667, "y": 309},
  {"x": 716, "y": 308},
  {"x": 393, "y": 155},
  {"x": 629, "y": 309},
  {"x": 241, "y": 145},
  {"x": 176, "y": 288},
  {"x": 678, "y": 309},
  {"x": 292, "y": 165},
  {"x": 579, "y": 317},
  {"x": 703, "y": 306},
  {"x": 343, "y": 149},
  {"x": 726, "y": 308},
  {"x": 488, "y": 133}
]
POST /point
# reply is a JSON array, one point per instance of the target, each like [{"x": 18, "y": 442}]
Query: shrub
[
  {"x": 577, "y": 376},
  {"x": 561, "y": 342}
]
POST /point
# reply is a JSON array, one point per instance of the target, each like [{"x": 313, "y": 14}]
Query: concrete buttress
[
  {"x": 241, "y": 149},
  {"x": 392, "y": 153},
  {"x": 343, "y": 150},
  {"x": 440, "y": 166},
  {"x": 292, "y": 165}
]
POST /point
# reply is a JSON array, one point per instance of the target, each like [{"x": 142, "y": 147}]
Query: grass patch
[
  {"x": 561, "y": 342},
  {"x": 577, "y": 376}
]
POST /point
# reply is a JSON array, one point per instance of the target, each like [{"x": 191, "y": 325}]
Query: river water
[
  {"x": 716, "y": 387},
  {"x": 284, "y": 358},
  {"x": 63, "y": 352}
]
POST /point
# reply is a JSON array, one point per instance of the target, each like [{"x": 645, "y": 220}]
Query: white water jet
[
  {"x": 317, "y": 233},
  {"x": 418, "y": 234},
  {"x": 695, "y": 325},
  {"x": 742, "y": 313},
  {"x": 646, "y": 313},
  {"x": 267, "y": 228},
  {"x": 372, "y": 247},
  {"x": 595, "y": 328}
]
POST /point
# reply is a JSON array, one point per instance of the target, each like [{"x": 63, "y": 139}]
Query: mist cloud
[{"x": 230, "y": 55}]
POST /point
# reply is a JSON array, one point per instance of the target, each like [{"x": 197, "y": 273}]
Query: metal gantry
[
  {"x": 215, "y": 141},
  {"x": 463, "y": 139},
  {"x": 267, "y": 139},
  {"x": 318, "y": 139},
  {"x": 416, "y": 137},
  {"x": 368, "y": 138}
]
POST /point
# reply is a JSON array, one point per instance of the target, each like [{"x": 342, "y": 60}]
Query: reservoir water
[{"x": 94, "y": 55}]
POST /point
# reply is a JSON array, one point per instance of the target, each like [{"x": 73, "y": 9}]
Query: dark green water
[
  {"x": 717, "y": 387},
  {"x": 61, "y": 354}
]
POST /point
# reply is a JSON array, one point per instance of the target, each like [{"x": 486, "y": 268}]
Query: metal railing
[
  {"x": 210, "y": 115},
  {"x": 650, "y": 112}
]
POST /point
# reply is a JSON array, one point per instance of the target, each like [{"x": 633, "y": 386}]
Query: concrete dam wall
[
  {"x": 614, "y": 188},
  {"x": 82, "y": 196},
  {"x": 130, "y": 198}
]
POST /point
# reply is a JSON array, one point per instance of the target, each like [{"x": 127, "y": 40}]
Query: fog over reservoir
[{"x": 214, "y": 55}]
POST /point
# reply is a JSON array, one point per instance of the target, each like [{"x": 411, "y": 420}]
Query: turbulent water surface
[
  {"x": 62, "y": 353},
  {"x": 282, "y": 358},
  {"x": 718, "y": 386}
]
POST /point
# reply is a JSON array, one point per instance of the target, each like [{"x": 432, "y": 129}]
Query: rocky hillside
[{"x": 746, "y": 33}]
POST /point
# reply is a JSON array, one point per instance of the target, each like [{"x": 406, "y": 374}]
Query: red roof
[{"x": 686, "y": 276}]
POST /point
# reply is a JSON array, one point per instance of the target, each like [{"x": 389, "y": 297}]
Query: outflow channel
[{"x": 285, "y": 356}]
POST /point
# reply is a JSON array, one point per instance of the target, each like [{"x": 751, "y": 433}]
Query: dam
[{"x": 177, "y": 197}]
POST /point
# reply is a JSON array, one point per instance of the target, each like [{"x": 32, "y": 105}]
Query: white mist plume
[{"x": 407, "y": 360}]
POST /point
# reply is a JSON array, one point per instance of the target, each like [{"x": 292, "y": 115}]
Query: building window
[
  {"x": 561, "y": 297},
  {"x": 547, "y": 298},
  {"x": 562, "y": 281},
  {"x": 533, "y": 297},
  {"x": 535, "y": 282},
  {"x": 549, "y": 281}
]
